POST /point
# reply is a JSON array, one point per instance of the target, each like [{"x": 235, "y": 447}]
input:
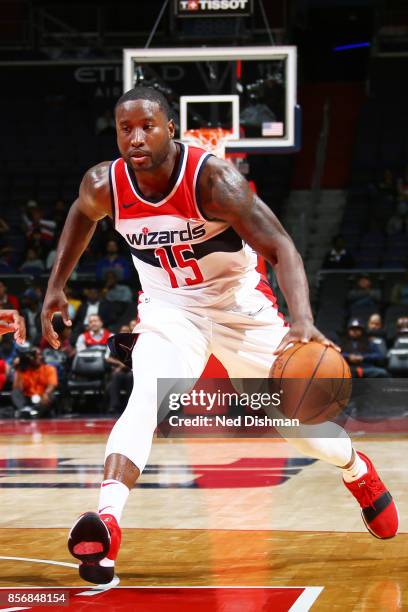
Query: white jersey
[{"x": 183, "y": 258}]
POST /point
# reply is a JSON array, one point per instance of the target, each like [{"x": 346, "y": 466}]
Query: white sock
[
  {"x": 356, "y": 470},
  {"x": 112, "y": 498}
]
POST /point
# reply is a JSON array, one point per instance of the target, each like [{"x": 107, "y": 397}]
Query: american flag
[{"x": 272, "y": 128}]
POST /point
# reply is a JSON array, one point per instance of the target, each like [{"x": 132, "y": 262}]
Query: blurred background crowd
[
  {"x": 102, "y": 297},
  {"x": 343, "y": 197},
  {"x": 366, "y": 316}
]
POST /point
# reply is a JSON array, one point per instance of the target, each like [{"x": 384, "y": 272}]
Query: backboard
[{"x": 249, "y": 91}]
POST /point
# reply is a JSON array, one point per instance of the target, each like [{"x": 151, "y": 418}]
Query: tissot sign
[{"x": 213, "y": 8}]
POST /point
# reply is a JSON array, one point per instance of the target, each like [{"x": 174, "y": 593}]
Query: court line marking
[
  {"x": 48, "y": 561},
  {"x": 306, "y": 599},
  {"x": 167, "y": 586},
  {"x": 100, "y": 588}
]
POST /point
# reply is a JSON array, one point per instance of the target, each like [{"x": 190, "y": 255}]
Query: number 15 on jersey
[{"x": 184, "y": 257}]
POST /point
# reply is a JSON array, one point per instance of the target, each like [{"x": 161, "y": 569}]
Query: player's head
[{"x": 144, "y": 128}]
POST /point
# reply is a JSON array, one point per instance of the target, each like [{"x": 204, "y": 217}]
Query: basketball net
[{"x": 211, "y": 139}]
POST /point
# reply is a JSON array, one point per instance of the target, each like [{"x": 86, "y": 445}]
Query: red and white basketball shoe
[
  {"x": 95, "y": 540},
  {"x": 378, "y": 509}
]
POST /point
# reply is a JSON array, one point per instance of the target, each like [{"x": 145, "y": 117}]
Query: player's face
[{"x": 143, "y": 134}]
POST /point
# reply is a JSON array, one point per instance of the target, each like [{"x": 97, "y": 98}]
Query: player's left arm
[{"x": 226, "y": 195}]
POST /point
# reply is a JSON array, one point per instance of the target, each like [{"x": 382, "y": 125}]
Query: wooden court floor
[{"x": 207, "y": 513}]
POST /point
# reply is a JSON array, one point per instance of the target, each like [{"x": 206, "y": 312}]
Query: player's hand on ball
[
  {"x": 55, "y": 301},
  {"x": 303, "y": 331},
  {"x": 12, "y": 321}
]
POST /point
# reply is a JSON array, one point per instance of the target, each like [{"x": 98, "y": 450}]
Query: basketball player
[
  {"x": 11, "y": 321},
  {"x": 193, "y": 227}
]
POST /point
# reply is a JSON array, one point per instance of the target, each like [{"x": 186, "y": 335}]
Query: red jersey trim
[
  {"x": 196, "y": 194},
  {"x": 114, "y": 191},
  {"x": 184, "y": 153},
  {"x": 264, "y": 287}
]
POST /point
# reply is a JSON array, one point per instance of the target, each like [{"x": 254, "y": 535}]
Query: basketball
[{"x": 314, "y": 382}]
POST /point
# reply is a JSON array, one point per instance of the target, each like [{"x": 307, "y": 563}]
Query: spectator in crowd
[
  {"x": 399, "y": 291},
  {"x": 42, "y": 227},
  {"x": 8, "y": 349},
  {"x": 73, "y": 302},
  {"x": 50, "y": 258},
  {"x": 398, "y": 354},
  {"x": 121, "y": 380},
  {"x": 401, "y": 331},
  {"x": 361, "y": 354},
  {"x": 364, "y": 295},
  {"x": 104, "y": 232},
  {"x": 93, "y": 304},
  {"x": 36, "y": 242},
  {"x": 6, "y": 257},
  {"x": 32, "y": 262},
  {"x": 4, "y": 370},
  {"x": 89, "y": 257},
  {"x": 113, "y": 261},
  {"x": 125, "y": 329},
  {"x": 96, "y": 336},
  {"x": 34, "y": 383},
  {"x": 62, "y": 358},
  {"x": 376, "y": 332},
  {"x": 375, "y": 327},
  {"x": 338, "y": 257},
  {"x": 59, "y": 214},
  {"x": 402, "y": 325},
  {"x": 113, "y": 291},
  {"x": 37, "y": 288},
  {"x": 64, "y": 334},
  {"x": 132, "y": 324},
  {"x": 27, "y": 215},
  {"x": 8, "y": 300},
  {"x": 32, "y": 315}
]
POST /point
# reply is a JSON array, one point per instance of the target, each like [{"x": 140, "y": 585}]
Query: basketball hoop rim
[{"x": 212, "y": 139}]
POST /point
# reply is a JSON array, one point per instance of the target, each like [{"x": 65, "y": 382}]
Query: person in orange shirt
[{"x": 34, "y": 384}]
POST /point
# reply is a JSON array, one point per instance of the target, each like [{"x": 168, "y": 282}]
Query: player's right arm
[{"x": 92, "y": 204}]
